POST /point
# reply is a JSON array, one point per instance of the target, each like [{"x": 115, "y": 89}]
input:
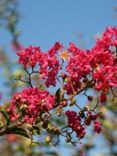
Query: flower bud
[
  {"x": 55, "y": 130},
  {"x": 47, "y": 139},
  {"x": 63, "y": 75},
  {"x": 64, "y": 103},
  {"x": 88, "y": 121},
  {"x": 86, "y": 108},
  {"x": 90, "y": 98}
]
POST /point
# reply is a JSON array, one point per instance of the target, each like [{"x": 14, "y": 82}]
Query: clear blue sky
[{"x": 44, "y": 22}]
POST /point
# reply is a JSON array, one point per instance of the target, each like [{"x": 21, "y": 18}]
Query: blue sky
[{"x": 44, "y": 22}]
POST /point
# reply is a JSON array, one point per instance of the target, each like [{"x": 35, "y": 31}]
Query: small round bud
[
  {"x": 9, "y": 110},
  {"x": 63, "y": 75},
  {"x": 88, "y": 121},
  {"x": 47, "y": 139},
  {"x": 55, "y": 130},
  {"x": 64, "y": 103},
  {"x": 86, "y": 108},
  {"x": 90, "y": 98}
]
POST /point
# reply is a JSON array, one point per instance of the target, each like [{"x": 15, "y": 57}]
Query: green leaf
[
  {"x": 6, "y": 116},
  {"x": 59, "y": 95},
  {"x": 35, "y": 143},
  {"x": 20, "y": 131}
]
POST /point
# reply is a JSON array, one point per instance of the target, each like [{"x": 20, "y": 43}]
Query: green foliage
[{"x": 6, "y": 116}]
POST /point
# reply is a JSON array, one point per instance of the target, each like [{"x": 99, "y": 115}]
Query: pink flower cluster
[
  {"x": 78, "y": 71},
  {"x": 79, "y": 122},
  {"x": 29, "y": 56},
  {"x": 99, "y": 63},
  {"x": 48, "y": 64},
  {"x": 29, "y": 104},
  {"x": 74, "y": 122},
  {"x": 105, "y": 58}
]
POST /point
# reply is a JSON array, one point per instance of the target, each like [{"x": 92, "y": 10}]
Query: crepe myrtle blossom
[
  {"x": 78, "y": 122},
  {"x": 28, "y": 104},
  {"x": 99, "y": 63},
  {"x": 70, "y": 71},
  {"x": 74, "y": 122},
  {"x": 48, "y": 64}
]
